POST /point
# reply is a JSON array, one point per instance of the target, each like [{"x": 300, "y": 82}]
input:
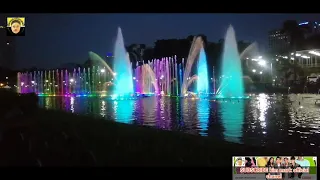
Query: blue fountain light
[
  {"x": 202, "y": 81},
  {"x": 122, "y": 68}
]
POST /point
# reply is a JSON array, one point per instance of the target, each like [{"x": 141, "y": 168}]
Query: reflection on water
[
  {"x": 261, "y": 120},
  {"x": 232, "y": 116},
  {"x": 203, "y": 115},
  {"x": 123, "y": 111}
]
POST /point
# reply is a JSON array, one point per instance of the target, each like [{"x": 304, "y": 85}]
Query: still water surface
[{"x": 261, "y": 120}]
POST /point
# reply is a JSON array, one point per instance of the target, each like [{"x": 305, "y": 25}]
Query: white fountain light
[
  {"x": 114, "y": 74},
  {"x": 260, "y": 72},
  {"x": 262, "y": 62},
  {"x": 253, "y": 70},
  {"x": 71, "y": 80},
  {"x": 306, "y": 57},
  {"x": 298, "y": 54},
  {"x": 32, "y": 82},
  {"x": 134, "y": 78},
  {"x": 102, "y": 70}
]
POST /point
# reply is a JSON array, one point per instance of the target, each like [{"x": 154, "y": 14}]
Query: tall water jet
[
  {"x": 202, "y": 81},
  {"x": 122, "y": 68},
  {"x": 231, "y": 78},
  {"x": 196, "y": 46}
]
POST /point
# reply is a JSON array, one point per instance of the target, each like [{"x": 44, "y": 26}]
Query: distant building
[
  {"x": 278, "y": 42},
  {"x": 310, "y": 28},
  {"x": 308, "y": 58}
]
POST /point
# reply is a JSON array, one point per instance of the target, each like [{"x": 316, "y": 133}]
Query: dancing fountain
[
  {"x": 122, "y": 69},
  {"x": 195, "y": 49},
  {"x": 231, "y": 85},
  {"x": 202, "y": 70},
  {"x": 167, "y": 76}
]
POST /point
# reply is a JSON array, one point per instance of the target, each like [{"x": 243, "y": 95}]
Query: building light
[
  {"x": 303, "y": 23},
  {"x": 314, "y": 53}
]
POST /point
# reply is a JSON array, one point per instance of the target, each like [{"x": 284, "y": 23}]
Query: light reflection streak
[
  {"x": 262, "y": 106},
  {"x": 103, "y": 108},
  {"x": 72, "y": 104},
  {"x": 123, "y": 110},
  {"x": 203, "y": 115}
]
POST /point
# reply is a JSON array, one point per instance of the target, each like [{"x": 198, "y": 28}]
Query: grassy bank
[{"x": 49, "y": 138}]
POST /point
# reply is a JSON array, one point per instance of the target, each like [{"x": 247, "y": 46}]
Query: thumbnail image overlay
[{"x": 274, "y": 167}]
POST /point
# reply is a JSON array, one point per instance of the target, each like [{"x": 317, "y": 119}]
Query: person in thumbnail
[
  {"x": 238, "y": 162},
  {"x": 294, "y": 165},
  {"x": 285, "y": 164},
  {"x": 278, "y": 163},
  {"x": 249, "y": 162},
  {"x": 270, "y": 163},
  {"x": 15, "y": 26},
  {"x": 262, "y": 161},
  {"x": 302, "y": 162}
]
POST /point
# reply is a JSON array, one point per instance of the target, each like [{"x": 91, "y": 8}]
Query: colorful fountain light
[
  {"x": 168, "y": 76},
  {"x": 156, "y": 77},
  {"x": 79, "y": 82}
]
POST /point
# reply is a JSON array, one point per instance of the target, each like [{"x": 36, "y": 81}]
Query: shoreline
[{"x": 116, "y": 144}]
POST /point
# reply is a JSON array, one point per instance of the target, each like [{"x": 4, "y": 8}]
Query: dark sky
[{"x": 54, "y": 39}]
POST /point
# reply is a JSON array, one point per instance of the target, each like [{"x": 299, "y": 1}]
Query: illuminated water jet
[
  {"x": 231, "y": 78},
  {"x": 202, "y": 70},
  {"x": 122, "y": 68}
]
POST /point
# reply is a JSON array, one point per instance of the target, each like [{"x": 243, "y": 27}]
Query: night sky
[{"x": 54, "y": 39}]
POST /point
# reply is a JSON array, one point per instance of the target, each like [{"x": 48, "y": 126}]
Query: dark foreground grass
[
  {"x": 116, "y": 144},
  {"x": 56, "y": 138}
]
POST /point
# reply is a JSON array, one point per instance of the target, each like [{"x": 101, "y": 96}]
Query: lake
[{"x": 263, "y": 120}]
